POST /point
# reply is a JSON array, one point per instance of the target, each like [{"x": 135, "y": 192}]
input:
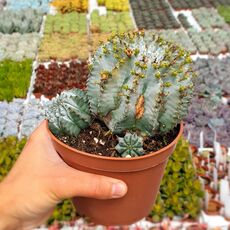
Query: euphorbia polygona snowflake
[{"x": 138, "y": 83}]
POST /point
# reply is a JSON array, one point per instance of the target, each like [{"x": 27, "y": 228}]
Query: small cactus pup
[
  {"x": 130, "y": 145},
  {"x": 69, "y": 113},
  {"x": 140, "y": 83}
]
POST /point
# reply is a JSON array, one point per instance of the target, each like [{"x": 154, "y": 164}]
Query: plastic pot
[{"x": 141, "y": 174}]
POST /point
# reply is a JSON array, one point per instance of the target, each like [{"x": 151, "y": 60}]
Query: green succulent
[
  {"x": 181, "y": 192},
  {"x": 140, "y": 82},
  {"x": 130, "y": 145},
  {"x": 69, "y": 112},
  {"x": 14, "y": 79}
]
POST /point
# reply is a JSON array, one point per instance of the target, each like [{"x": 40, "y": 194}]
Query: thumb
[{"x": 77, "y": 183}]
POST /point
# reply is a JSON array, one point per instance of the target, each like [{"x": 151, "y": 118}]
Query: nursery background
[{"x": 44, "y": 49}]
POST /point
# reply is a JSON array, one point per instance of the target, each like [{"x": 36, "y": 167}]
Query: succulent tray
[
  {"x": 18, "y": 47},
  {"x": 56, "y": 77},
  {"x": 22, "y": 21},
  {"x": 153, "y": 15},
  {"x": 224, "y": 11},
  {"x": 213, "y": 77},
  {"x": 64, "y": 47},
  {"x": 187, "y": 4},
  {"x": 203, "y": 42},
  {"x": 66, "y": 23},
  {"x": 10, "y": 117},
  {"x": 14, "y": 79},
  {"x": 115, "y": 5},
  {"x": 68, "y": 6},
  {"x": 209, "y": 18},
  {"x": 207, "y": 113},
  {"x": 33, "y": 113},
  {"x": 111, "y": 22},
  {"x": 41, "y": 5}
]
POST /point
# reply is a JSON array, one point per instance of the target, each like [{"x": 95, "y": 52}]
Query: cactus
[
  {"x": 69, "y": 113},
  {"x": 141, "y": 83},
  {"x": 130, "y": 145},
  {"x": 138, "y": 83}
]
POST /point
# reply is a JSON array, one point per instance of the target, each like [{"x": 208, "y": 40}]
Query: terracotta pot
[{"x": 141, "y": 174}]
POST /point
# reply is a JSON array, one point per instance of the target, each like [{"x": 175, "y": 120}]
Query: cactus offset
[
  {"x": 130, "y": 145},
  {"x": 69, "y": 113},
  {"x": 141, "y": 83}
]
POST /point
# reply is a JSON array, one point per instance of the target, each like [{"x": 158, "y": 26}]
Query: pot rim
[{"x": 55, "y": 139}]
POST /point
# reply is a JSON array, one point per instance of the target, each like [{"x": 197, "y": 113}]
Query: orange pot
[{"x": 141, "y": 174}]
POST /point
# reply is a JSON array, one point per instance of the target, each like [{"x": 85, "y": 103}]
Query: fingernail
[{"x": 118, "y": 190}]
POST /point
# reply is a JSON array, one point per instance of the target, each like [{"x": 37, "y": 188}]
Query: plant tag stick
[
  {"x": 215, "y": 178},
  {"x": 201, "y": 140},
  {"x": 218, "y": 153}
]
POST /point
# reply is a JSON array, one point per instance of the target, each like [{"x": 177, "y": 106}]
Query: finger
[
  {"x": 76, "y": 183},
  {"x": 40, "y": 132}
]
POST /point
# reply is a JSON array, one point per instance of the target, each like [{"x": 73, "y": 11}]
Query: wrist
[{"x": 7, "y": 220}]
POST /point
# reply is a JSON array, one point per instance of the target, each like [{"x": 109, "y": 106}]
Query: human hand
[{"x": 40, "y": 179}]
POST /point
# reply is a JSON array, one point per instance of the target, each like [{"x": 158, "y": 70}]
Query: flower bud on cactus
[
  {"x": 130, "y": 145},
  {"x": 69, "y": 112},
  {"x": 141, "y": 83}
]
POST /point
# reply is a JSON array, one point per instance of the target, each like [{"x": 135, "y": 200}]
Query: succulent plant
[
  {"x": 180, "y": 191},
  {"x": 130, "y": 145},
  {"x": 224, "y": 11},
  {"x": 15, "y": 79},
  {"x": 153, "y": 15},
  {"x": 58, "y": 77},
  {"x": 18, "y": 47},
  {"x": 140, "y": 82},
  {"x": 69, "y": 112},
  {"x": 63, "y": 47},
  {"x": 41, "y": 5},
  {"x": 22, "y": 21},
  {"x": 137, "y": 83},
  {"x": 68, "y": 6}
]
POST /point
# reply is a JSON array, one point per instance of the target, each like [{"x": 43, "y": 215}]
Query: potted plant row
[
  {"x": 57, "y": 77},
  {"x": 128, "y": 121},
  {"x": 208, "y": 18},
  {"x": 18, "y": 47},
  {"x": 68, "y": 6},
  {"x": 41, "y": 5},
  {"x": 147, "y": 15},
  {"x": 15, "y": 79},
  {"x": 22, "y": 21}
]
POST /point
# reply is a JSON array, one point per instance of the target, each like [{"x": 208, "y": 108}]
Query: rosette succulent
[{"x": 138, "y": 83}]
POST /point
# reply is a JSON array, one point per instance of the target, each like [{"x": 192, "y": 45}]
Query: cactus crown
[{"x": 141, "y": 83}]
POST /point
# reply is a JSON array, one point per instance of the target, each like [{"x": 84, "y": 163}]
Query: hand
[{"x": 40, "y": 179}]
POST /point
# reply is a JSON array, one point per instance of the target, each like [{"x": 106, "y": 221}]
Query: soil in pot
[{"x": 97, "y": 139}]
